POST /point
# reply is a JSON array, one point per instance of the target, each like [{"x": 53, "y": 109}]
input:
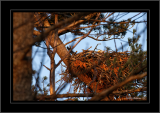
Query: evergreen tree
[{"x": 117, "y": 67}]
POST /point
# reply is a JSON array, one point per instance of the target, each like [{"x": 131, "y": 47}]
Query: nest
[{"x": 98, "y": 70}]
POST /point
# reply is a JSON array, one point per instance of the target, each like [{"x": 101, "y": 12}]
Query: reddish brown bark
[{"x": 22, "y": 66}]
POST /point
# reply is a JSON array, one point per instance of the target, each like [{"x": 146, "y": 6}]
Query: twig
[
  {"x": 122, "y": 46},
  {"x": 115, "y": 43},
  {"x": 46, "y": 67}
]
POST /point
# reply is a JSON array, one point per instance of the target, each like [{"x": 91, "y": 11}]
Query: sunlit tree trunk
[
  {"x": 22, "y": 64},
  {"x": 52, "y": 73}
]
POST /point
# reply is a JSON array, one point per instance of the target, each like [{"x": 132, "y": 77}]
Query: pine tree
[{"x": 90, "y": 73}]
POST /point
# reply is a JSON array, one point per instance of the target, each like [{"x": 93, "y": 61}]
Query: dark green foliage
[
  {"x": 61, "y": 16},
  {"x": 114, "y": 61},
  {"x": 45, "y": 78},
  {"x": 137, "y": 60},
  {"x": 64, "y": 15},
  {"x": 108, "y": 62},
  {"x": 48, "y": 84},
  {"x": 108, "y": 48},
  {"x": 134, "y": 30},
  {"x": 40, "y": 91},
  {"x": 75, "y": 99},
  {"x": 119, "y": 72},
  {"x": 111, "y": 28},
  {"x": 115, "y": 28},
  {"x": 141, "y": 95},
  {"x": 38, "y": 44}
]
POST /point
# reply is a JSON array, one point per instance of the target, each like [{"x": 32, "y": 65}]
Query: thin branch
[
  {"x": 135, "y": 15},
  {"x": 115, "y": 43},
  {"x": 122, "y": 46},
  {"x": 46, "y": 67},
  {"x": 107, "y": 39},
  {"x": 114, "y": 22},
  {"x": 72, "y": 40}
]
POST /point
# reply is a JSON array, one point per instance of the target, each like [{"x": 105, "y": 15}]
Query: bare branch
[
  {"x": 67, "y": 95},
  {"x": 115, "y": 22}
]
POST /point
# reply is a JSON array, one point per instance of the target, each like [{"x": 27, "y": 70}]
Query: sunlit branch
[
  {"x": 106, "y": 92},
  {"x": 41, "y": 37}
]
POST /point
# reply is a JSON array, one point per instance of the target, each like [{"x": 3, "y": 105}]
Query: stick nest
[{"x": 97, "y": 70}]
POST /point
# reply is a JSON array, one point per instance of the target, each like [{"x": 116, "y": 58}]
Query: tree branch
[
  {"x": 40, "y": 37},
  {"x": 129, "y": 91},
  {"x": 67, "y": 95},
  {"x": 89, "y": 94},
  {"x": 106, "y": 92},
  {"x": 59, "y": 25}
]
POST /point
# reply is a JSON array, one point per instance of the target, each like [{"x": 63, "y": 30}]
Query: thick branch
[
  {"x": 129, "y": 91},
  {"x": 66, "y": 95},
  {"x": 59, "y": 25},
  {"x": 40, "y": 37},
  {"x": 61, "y": 50},
  {"x": 89, "y": 94},
  {"x": 106, "y": 92}
]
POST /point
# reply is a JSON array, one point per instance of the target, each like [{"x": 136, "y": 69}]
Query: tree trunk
[
  {"x": 52, "y": 74},
  {"x": 23, "y": 23}
]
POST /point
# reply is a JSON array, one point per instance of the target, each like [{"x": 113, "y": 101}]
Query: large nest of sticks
[{"x": 98, "y": 70}]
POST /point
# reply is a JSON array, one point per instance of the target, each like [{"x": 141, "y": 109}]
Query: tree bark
[
  {"x": 23, "y": 23},
  {"x": 61, "y": 49},
  {"x": 52, "y": 72}
]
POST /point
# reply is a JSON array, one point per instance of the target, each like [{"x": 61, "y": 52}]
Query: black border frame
[{"x": 119, "y": 107}]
